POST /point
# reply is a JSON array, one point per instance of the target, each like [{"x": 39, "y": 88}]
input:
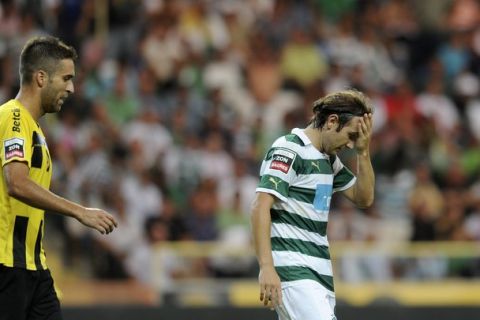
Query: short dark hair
[
  {"x": 43, "y": 53},
  {"x": 346, "y": 104}
]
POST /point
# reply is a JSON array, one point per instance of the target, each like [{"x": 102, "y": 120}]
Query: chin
[
  {"x": 54, "y": 109},
  {"x": 57, "y": 108}
]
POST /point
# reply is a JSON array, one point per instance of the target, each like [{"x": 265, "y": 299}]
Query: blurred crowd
[{"x": 176, "y": 103}]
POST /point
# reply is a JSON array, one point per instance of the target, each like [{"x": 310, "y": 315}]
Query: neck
[
  {"x": 315, "y": 135},
  {"x": 30, "y": 99}
]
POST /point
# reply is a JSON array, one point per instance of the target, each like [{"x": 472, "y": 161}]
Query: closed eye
[{"x": 67, "y": 78}]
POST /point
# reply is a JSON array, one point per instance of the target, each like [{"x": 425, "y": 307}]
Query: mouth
[{"x": 62, "y": 99}]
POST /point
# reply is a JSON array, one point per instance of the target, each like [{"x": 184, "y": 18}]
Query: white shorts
[{"x": 306, "y": 300}]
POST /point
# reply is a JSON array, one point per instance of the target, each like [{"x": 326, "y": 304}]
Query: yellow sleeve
[{"x": 15, "y": 136}]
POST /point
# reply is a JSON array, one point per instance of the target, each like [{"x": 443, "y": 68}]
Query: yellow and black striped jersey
[{"x": 21, "y": 226}]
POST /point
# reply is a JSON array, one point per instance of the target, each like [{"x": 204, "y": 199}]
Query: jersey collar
[{"x": 301, "y": 134}]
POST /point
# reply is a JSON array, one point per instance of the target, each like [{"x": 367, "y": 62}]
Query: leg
[
  {"x": 307, "y": 300},
  {"x": 14, "y": 293},
  {"x": 45, "y": 304}
]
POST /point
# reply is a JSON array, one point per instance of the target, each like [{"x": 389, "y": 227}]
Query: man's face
[
  {"x": 345, "y": 138},
  {"x": 59, "y": 87}
]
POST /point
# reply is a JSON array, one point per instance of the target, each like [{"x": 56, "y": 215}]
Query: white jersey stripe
[
  {"x": 272, "y": 192},
  {"x": 305, "y": 152},
  {"x": 282, "y": 230},
  {"x": 290, "y": 258},
  {"x": 348, "y": 185},
  {"x": 310, "y": 181},
  {"x": 303, "y": 209}
]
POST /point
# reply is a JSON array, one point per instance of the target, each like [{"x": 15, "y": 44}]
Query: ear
[
  {"x": 332, "y": 121},
  {"x": 41, "y": 78}
]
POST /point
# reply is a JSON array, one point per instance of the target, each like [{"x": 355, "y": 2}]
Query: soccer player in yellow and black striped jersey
[
  {"x": 22, "y": 228},
  {"x": 26, "y": 286}
]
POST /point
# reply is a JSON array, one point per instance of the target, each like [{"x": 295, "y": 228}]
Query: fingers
[
  {"x": 106, "y": 227},
  {"x": 279, "y": 297},
  {"x": 112, "y": 219},
  {"x": 365, "y": 124},
  {"x": 106, "y": 223},
  {"x": 368, "y": 120},
  {"x": 271, "y": 296},
  {"x": 262, "y": 293},
  {"x": 99, "y": 220},
  {"x": 267, "y": 299},
  {"x": 275, "y": 298},
  {"x": 265, "y": 294}
]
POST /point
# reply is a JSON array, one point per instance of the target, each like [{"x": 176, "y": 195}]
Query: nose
[{"x": 70, "y": 88}]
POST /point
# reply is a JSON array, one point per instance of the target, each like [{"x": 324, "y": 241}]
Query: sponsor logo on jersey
[
  {"x": 316, "y": 165},
  {"x": 13, "y": 148},
  {"x": 282, "y": 160},
  {"x": 323, "y": 196},
  {"x": 16, "y": 120},
  {"x": 275, "y": 181}
]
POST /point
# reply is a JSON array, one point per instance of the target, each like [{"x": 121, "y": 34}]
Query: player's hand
[
  {"x": 98, "y": 219},
  {"x": 362, "y": 144},
  {"x": 270, "y": 287}
]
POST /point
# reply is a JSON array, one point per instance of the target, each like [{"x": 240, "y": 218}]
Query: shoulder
[
  {"x": 11, "y": 110},
  {"x": 337, "y": 164},
  {"x": 9, "y": 113},
  {"x": 15, "y": 119},
  {"x": 6, "y": 108},
  {"x": 290, "y": 142}
]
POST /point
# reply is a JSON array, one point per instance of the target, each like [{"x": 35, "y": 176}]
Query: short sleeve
[
  {"x": 343, "y": 177},
  {"x": 15, "y": 137},
  {"x": 277, "y": 173}
]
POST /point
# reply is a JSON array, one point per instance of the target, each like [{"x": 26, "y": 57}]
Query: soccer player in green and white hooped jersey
[{"x": 299, "y": 174}]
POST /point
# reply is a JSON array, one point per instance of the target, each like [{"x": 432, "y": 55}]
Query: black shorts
[{"x": 27, "y": 295}]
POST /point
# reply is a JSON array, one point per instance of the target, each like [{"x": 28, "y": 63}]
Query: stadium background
[{"x": 175, "y": 104}]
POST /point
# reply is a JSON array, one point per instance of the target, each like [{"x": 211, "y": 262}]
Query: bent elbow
[
  {"x": 365, "y": 204},
  {"x": 14, "y": 190}
]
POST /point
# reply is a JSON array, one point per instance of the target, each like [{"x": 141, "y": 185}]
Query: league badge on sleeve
[
  {"x": 13, "y": 148},
  {"x": 282, "y": 160}
]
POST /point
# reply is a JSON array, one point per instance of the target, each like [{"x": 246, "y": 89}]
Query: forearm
[
  {"x": 36, "y": 196},
  {"x": 261, "y": 227},
  {"x": 21, "y": 187},
  {"x": 365, "y": 185}
]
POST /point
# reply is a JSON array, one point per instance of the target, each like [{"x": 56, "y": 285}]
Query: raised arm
[{"x": 362, "y": 192}]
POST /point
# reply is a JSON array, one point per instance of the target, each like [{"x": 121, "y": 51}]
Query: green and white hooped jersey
[{"x": 303, "y": 180}]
